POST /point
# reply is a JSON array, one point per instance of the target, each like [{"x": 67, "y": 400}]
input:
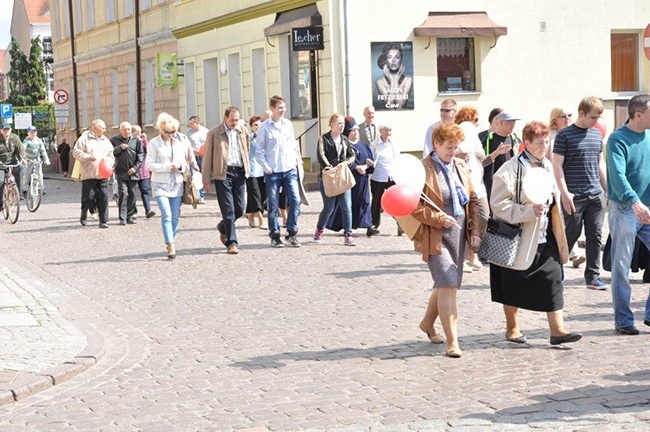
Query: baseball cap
[
  {"x": 6, "y": 125},
  {"x": 31, "y": 128},
  {"x": 508, "y": 115}
]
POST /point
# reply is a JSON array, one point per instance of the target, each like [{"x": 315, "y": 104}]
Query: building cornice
[{"x": 246, "y": 14}]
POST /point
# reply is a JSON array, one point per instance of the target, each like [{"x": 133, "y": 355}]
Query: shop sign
[{"x": 307, "y": 38}]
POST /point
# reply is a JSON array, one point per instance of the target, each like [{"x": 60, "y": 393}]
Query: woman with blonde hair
[
  {"x": 168, "y": 158},
  {"x": 559, "y": 119},
  {"x": 443, "y": 234}
]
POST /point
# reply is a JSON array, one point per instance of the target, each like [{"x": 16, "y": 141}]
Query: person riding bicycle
[
  {"x": 34, "y": 152},
  {"x": 12, "y": 152}
]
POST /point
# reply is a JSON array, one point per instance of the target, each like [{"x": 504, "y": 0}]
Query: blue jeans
[
  {"x": 145, "y": 188},
  {"x": 288, "y": 180},
  {"x": 624, "y": 227},
  {"x": 170, "y": 209},
  {"x": 329, "y": 204}
]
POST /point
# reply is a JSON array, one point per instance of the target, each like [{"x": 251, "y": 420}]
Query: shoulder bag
[
  {"x": 190, "y": 193},
  {"x": 338, "y": 179},
  {"x": 501, "y": 240}
]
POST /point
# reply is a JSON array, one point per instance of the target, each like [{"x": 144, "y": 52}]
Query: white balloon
[
  {"x": 537, "y": 185},
  {"x": 406, "y": 169}
]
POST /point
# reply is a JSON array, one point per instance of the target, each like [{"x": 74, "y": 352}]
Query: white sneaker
[
  {"x": 467, "y": 268},
  {"x": 475, "y": 263}
]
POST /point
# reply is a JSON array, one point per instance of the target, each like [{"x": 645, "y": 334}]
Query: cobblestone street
[{"x": 322, "y": 337}]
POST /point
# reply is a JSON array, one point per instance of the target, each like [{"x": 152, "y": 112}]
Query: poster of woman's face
[{"x": 392, "y": 75}]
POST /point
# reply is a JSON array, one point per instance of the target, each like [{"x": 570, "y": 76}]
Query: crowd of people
[{"x": 471, "y": 178}]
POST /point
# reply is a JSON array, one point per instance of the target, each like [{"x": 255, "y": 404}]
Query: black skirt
[
  {"x": 538, "y": 288},
  {"x": 256, "y": 194}
]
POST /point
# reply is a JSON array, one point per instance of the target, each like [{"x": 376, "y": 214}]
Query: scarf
[{"x": 458, "y": 195}]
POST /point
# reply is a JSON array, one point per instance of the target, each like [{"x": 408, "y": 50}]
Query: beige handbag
[{"x": 337, "y": 180}]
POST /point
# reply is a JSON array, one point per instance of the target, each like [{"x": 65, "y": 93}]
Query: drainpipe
[
  {"x": 73, "y": 53},
  {"x": 347, "y": 51},
  {"x": 138, "y": 72}
]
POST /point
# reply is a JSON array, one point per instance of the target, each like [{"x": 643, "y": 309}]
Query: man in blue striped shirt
[{"x": 580, "y": 173}]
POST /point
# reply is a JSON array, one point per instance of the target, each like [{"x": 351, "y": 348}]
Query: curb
[{"x": 27, "y": 384}]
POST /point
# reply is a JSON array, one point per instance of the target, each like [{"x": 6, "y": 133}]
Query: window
[
  {"x": 96, "y": 108},
  {"x": 302, "y": 85},
  {"x": 56, "y": 22},
  {"x": 234, "y": 80},
  {"x": 73, "y": 106},
  {"x": 190, "y": 89},
  {"x": 260, "y": 101},
  {"x": 66, "y": 20},
  {"x": 84, "y": 103},
  {"x": 115, "y": 96},
  {"x": 211, "y": 91},
  {"x": 456, "y": 72},
  {"x": 149, "y": 71},
  {"x": 110, "y": 11},
  {"x": 128, "y": 8},
  {"x": 90, "y": 14},
  {"x": 145, "y": 4},
  {"x": 78, "y": 22},
  {"x": 625, "y": 62}
]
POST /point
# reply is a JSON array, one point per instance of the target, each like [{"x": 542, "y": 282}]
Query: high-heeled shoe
[
  {"x": 454, "y": 352},
  {"x": 434, "y": 338},
  {"x": 171, "y": 251}
]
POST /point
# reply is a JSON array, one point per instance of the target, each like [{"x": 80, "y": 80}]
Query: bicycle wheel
[
  {"x": 34, "y": 195},
  {"x": 13, "y": 204},
  {"x": 5, "y": 207}
]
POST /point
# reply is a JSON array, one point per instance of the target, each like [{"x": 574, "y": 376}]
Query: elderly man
[
  {"x": 448, "y": 109},
  {"x": 129, "y": 156},
  {"x": 226, "y": 160},
  {"x": 368, "y": 131},
  {"x": 197, "y": 135},
  {"x": 91, "y": 147},
  {"x": 499, "y": 146},
  {"x": 628, "y": 190},
  {"x": 12, "y": 152}
]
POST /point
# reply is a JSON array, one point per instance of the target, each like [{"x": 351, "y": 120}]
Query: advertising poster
[
  {"x": 167, "y": 73},
  {"x": 392, "y": 75}
]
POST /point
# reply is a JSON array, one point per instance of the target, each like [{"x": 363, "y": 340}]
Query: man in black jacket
[{"x": 129, "y": 155}]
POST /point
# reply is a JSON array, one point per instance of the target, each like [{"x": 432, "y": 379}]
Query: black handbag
[{"x": 501, "y": 240}]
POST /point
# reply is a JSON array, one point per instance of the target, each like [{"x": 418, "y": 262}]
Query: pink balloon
[
  {"x": 105, "y": 169},
  {"x": 400, "y": 200},
  {"x": 600, "y": 125}
]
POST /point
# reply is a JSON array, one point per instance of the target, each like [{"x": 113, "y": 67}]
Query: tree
[
  {"x": 17, "y": 73},
  {"x": 36, "y": 73},
  {"x": 26, "y": 76}
]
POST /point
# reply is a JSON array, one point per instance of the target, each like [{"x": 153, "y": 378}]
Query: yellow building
[{"x": 523, "y": 55}]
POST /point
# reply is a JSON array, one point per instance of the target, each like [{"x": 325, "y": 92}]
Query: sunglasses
[
  {"x": 172, "y": 132},
  {"x": 446, "y": 110},
  {"x": 564, "y": 116}
]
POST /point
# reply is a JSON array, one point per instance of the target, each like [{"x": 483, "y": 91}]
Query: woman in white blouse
[{"x": 167, "y": 159}]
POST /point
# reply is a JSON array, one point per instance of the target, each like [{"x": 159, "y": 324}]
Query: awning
[
  {"x": 459, "y": 24},
  {"x": 306, "y": 16}
]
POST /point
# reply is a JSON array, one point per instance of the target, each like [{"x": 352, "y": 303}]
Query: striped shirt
[{"x": 581, "y": 149}]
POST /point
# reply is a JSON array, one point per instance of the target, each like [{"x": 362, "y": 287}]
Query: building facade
[{"x": 526, "y": 56}]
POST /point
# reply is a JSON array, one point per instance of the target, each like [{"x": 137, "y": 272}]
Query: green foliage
[{"x": 26, "y": 75}]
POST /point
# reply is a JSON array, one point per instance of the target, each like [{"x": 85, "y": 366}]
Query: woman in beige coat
[
  {"x": 443, "y": 234},
  {"x": 534, "y": 281}
]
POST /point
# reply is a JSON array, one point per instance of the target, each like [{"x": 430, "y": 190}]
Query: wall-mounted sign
[
  {"x": 167, "y": 71},
  {"x": 392, "y": 75},
  {"x": 307, "y": 38}
]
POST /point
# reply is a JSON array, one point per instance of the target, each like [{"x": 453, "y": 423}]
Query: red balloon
[
  {"x": 400, "y": 200},
  {"x": 600, "y": 125},
  {"x": 202, "y": 150},
  {"x": 105, "y": 169}
]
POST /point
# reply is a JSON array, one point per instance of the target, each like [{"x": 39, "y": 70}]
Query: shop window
[
  {"x": 302, "y": 82},
  {"x": 625, "y": 62},
  {"x": 456, "y": 67}
]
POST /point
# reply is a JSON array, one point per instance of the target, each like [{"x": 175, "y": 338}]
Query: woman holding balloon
[
  {"x": 167, "y": 158},
  {"x": 445, "y": 229},
  {"x": 534, "y": 281}
]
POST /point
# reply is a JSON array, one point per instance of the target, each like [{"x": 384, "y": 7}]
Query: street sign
[
  {"x": 41, "y": 115},
  {"x": 61, "y": 107},
  {"x": 6, "y": 111},
  {"x": 62, "y": 114},
  {"x": 61, "y": 97},
  {"x": 646, "y": 42}
]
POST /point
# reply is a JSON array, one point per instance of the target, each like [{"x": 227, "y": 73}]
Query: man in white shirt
[
  {"x": 381, "y": 180},
  {"x": 448, "y": 109},
  {"x": 277, "y": 151},
  {"x": 197, "y": 135}
]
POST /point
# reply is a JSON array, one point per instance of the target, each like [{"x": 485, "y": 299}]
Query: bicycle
[
  {"x": 10, "y": 195},
  {"x": 34, "y": 187}
]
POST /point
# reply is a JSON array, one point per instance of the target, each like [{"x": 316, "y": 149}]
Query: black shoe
[
  {"x": 571, "y": 337},
  {"x": 521, "y": 339},
  {"x": 103, "y": 225},
  {"x": 122, "y": 222},
  {"x": 646, "y": 322},
  {"x": 372, "y": 231},
  {"x": 293, "y": 240},
  {"x": 276, "y": 242},
  {"x": 131, "y": 221},
  {"x": 83, "y": 221},
  {"x": 629, "y": 330},
  {"x": 150, "y": 214}
]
